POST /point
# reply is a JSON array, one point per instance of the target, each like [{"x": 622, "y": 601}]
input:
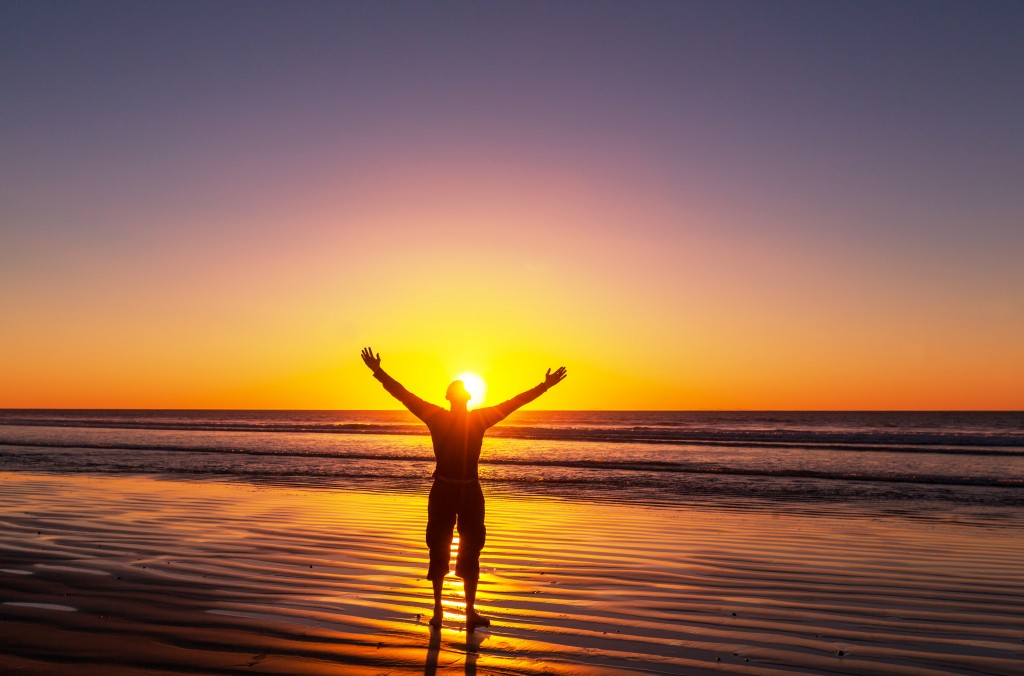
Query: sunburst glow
[{"x": 475, "y": 385}]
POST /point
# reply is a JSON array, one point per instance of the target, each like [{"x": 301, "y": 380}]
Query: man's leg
[
  {"x": 472, "y": 535},
  {"x": 441, "y": 514},
  {"x": 473, "y": 618}
]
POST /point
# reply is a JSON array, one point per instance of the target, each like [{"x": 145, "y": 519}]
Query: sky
[{"x": 714, "y": 205}]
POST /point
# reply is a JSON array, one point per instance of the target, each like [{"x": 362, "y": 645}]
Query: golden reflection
[
  {"x": 323, "y": 570},
  {"x": 454, "y": 601}
]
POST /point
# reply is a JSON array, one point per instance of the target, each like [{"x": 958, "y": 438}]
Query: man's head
[{"x": 457, "y": 393}]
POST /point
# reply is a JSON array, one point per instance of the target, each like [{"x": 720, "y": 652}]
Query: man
[{"x": 455, "y": 496}]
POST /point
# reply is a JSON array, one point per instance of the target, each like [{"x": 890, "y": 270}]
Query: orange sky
[
  {"x": 504, "y": 275},
  {"x": 748, "y": 218}
]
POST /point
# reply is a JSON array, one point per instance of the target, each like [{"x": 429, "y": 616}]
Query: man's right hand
[{"x": 372, "y": 362}]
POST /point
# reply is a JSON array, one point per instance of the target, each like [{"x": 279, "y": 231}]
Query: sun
[{"x": 475, "y": 385}]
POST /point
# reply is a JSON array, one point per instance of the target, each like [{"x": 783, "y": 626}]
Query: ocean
[{"x": 921, "y": 463}]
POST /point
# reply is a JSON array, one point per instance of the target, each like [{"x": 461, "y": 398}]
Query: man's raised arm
[
  {"x": 495, "y": 414},
  {"x": 421, "y": 409}
]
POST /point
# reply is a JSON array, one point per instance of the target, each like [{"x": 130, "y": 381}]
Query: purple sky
[{"x": 881, "y": 141}]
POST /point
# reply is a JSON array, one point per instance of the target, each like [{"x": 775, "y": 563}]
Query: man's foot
[
  {"x": 435, "y": 621},
  {"x": 475, "y": 619}
]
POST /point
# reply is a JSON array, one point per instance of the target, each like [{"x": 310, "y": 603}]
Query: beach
[
  {"x": 129, "y": 574},
  {"x": 701, "y": 321}
]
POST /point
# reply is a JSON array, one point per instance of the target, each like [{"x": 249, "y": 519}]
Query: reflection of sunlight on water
[
  {"x": 338, "y": 576},
  {"x": 453, "y": 598},
  {"x": 454, "y": 602}
]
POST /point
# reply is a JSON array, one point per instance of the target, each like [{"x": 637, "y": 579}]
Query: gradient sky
[{"x": 690, "y": 205}]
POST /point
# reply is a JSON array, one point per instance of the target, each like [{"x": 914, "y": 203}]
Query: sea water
[{"x": 910, "y": 461}]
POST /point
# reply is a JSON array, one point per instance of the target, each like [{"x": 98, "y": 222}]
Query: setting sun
[{"x": 475, "y": 385}]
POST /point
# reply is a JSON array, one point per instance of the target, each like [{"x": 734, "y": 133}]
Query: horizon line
[{"x": 549, "y": 410}]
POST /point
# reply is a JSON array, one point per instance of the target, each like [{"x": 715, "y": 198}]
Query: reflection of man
[{"x": 455, "y": 496}]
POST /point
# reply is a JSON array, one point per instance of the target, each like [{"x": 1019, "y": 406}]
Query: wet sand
[{"x": 111, "y": 575}]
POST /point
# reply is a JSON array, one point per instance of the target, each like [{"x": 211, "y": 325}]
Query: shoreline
[{"x": 171, "y": 576}]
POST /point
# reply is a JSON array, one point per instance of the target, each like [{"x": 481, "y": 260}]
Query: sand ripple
[{"x": 170, "y": 576}]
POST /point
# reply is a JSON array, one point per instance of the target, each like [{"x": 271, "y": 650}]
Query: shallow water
[{"x": 969, "y": 460}]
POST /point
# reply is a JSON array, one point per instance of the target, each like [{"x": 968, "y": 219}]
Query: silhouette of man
[{"x": 455, "y": 496}]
